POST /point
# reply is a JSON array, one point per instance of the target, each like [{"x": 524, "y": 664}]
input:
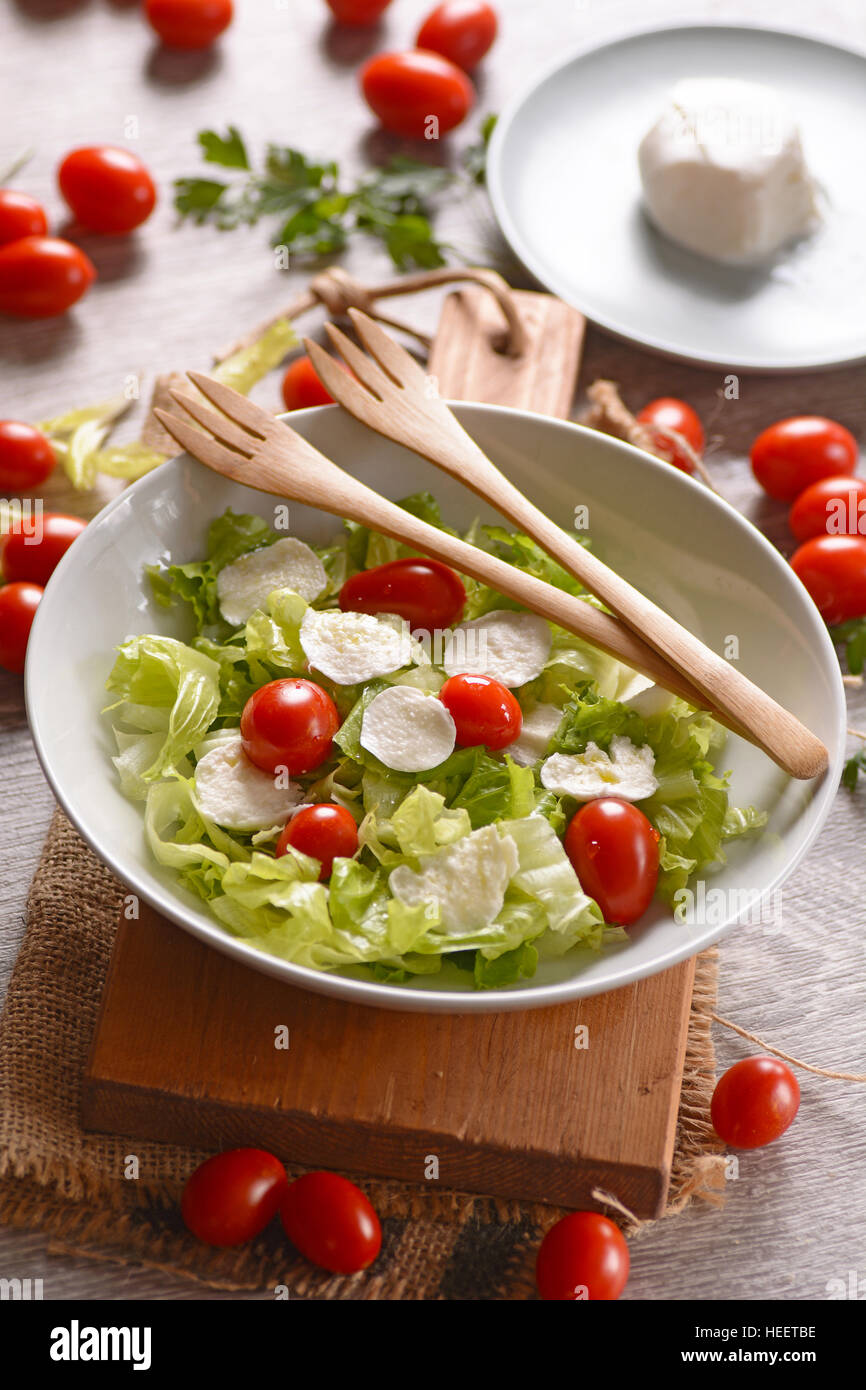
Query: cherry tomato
[
  {"x": 325, "y": 832},
  {"x": 20, "y": 216},
  {"x": 833, "y": 569},
  {"x": 754, "y": 1102},
  {"x": 671, "y": 414},
  {"x": 33, "y": 551},
  {"x": 615, "y": 853},
  {"x": 461, "y": 30},
  {"x": 289, "y": 723},
  {"x": 331, "y": 1222},
  {"x": 428, "y": 594},
  {"x": 830, "y": 507},
  {"x": 584, "y": 1256},
  {"x": 417, "y": 94},
  {"x": 357, "y": 12},
  {"x": 792, "y": 454},
  {"x": 189, "y": 23},
  {"x": 108, "y": 189},
  {"x": 302, "y": 387},
  {"x": 41, "y": 276},
  {"x": 26, "y": 457},
  {"x": 483, "y": 710},
  {"x": 232, "y": 1197},
  {"x": 18, "y": 604}
]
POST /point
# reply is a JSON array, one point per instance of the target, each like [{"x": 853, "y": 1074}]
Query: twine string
[{"x": 786, "y": 1057}]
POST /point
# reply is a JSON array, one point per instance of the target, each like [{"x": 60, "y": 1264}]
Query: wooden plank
[
  {"x": 507, "y": 1103},
  {"x": 469, "y": 365}
]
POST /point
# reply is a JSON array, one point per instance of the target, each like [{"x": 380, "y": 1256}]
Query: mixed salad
[{"x": 362, "y": 760}]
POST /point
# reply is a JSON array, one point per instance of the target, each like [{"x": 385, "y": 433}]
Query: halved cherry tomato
[
  {"x": 232, "y": 1197},
  {"x": 483, "y": 710},
  {"x": 462, "y": 30},
  {"x": 584, "y": 1256},
  {"x": 189, "y": 23},
  {"x": 794, "y": 453},
  {"x": 20, "y": 216},
  {"x": 324, "y": 832},
  {"x": 668, "y": 413},
  {"x": 289, "y": 723},
  {"x": 331, "y": 1222},
  {"x": 614, "y": 851},
  {"x": 26, "y": 457},
  {"x": 302, "y": 387},
  {"x": 428, "y": 594},
  {"x": 41, "y": 276},
  {"x": 32, "y": 551},
  {"x": 833, "y": 569},
  {"x": 18, "y": 604},
  {"x": 108, "y": 189},
  {"x": 754, "y": 1102},
  {"x": 416, "y": 94},
  {"x": 830, "y": 507},
  {"x": 357, "y": 12}
]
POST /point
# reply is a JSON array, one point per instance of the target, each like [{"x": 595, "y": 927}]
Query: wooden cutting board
[{"x": 546, "y": 1104}]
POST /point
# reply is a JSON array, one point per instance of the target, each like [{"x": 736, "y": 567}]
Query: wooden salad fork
[
  {"x": 393, "y": 395},
  {"x": 252, "y": 447}
]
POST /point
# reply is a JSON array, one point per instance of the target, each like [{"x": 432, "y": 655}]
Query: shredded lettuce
[{"x": 176, "y": 700}]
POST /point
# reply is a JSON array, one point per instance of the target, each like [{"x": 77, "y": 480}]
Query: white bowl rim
[{"x": 399, "y": 997}]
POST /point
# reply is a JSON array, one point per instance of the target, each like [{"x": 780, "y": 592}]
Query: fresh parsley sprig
[
  {"x": 853, "y": 635},
  {"x": 317, "y": 212}
]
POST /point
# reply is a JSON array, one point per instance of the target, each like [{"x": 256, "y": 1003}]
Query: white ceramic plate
[
  {"x": 563, "y": 177},
  {"x": 676, "y": 540}
]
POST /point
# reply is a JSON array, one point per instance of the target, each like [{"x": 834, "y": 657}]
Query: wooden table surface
[{"x": 79, "y": 73}]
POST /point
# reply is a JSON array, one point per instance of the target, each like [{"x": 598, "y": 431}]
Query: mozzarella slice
[
  {"x": 510, "y": 647},
  {"x": 539, "y": 726},
  {"x": 407, "y": 730},
  {"x": 352, "y": 647},
  {"x": 627, "y": 772},
  {"x": 232, "y": 791},
  {"x": 651, "y": 699},
  {"x": 244, "y": 586},
  {"x": 723, "y": 171},
  {"x": 466, "y": 880}
]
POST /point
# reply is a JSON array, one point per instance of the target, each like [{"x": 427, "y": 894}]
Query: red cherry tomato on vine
[
  {"x": 357, "y": 12},
  {"x": 584, "y": 1256},
  {"x": 41, "y": 276},
  {"x": 428, "y": 594},
  {"x": 833, "y": 569},
  {"x": 461, "y": 30},
  {"x": 232, "y": 1197},
  {"x": 416, "y": 94},
  {"x": 614, "y": 851},
  {"x": 26, "y": 456},
  {"x": 32, "y": 552},
  {"x": 324, "y": 832},
  {"x": 483, "y": 710},
  {"x": 331, "y": 1222},
  {"x": 18, "y": 604},
  {"x": 189, "y": 23},
  {"x": 302, "y": 387},
  {"x": 108, "y": 189},
  {"x": 668, "y": 413},
  {"x": 754, "y": 1102},
  {"x": 289, "y": 723},
  {"x": 792, "y": 454},
  {"x": 20, "y": 216},
  {"x": 830, "y": 507}
]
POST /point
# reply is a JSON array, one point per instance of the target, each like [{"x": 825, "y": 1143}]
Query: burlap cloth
[{"x": 70, "y": 1185}]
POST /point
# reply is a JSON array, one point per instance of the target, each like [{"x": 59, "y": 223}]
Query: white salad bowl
[{"x": 667, "y": 534}]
